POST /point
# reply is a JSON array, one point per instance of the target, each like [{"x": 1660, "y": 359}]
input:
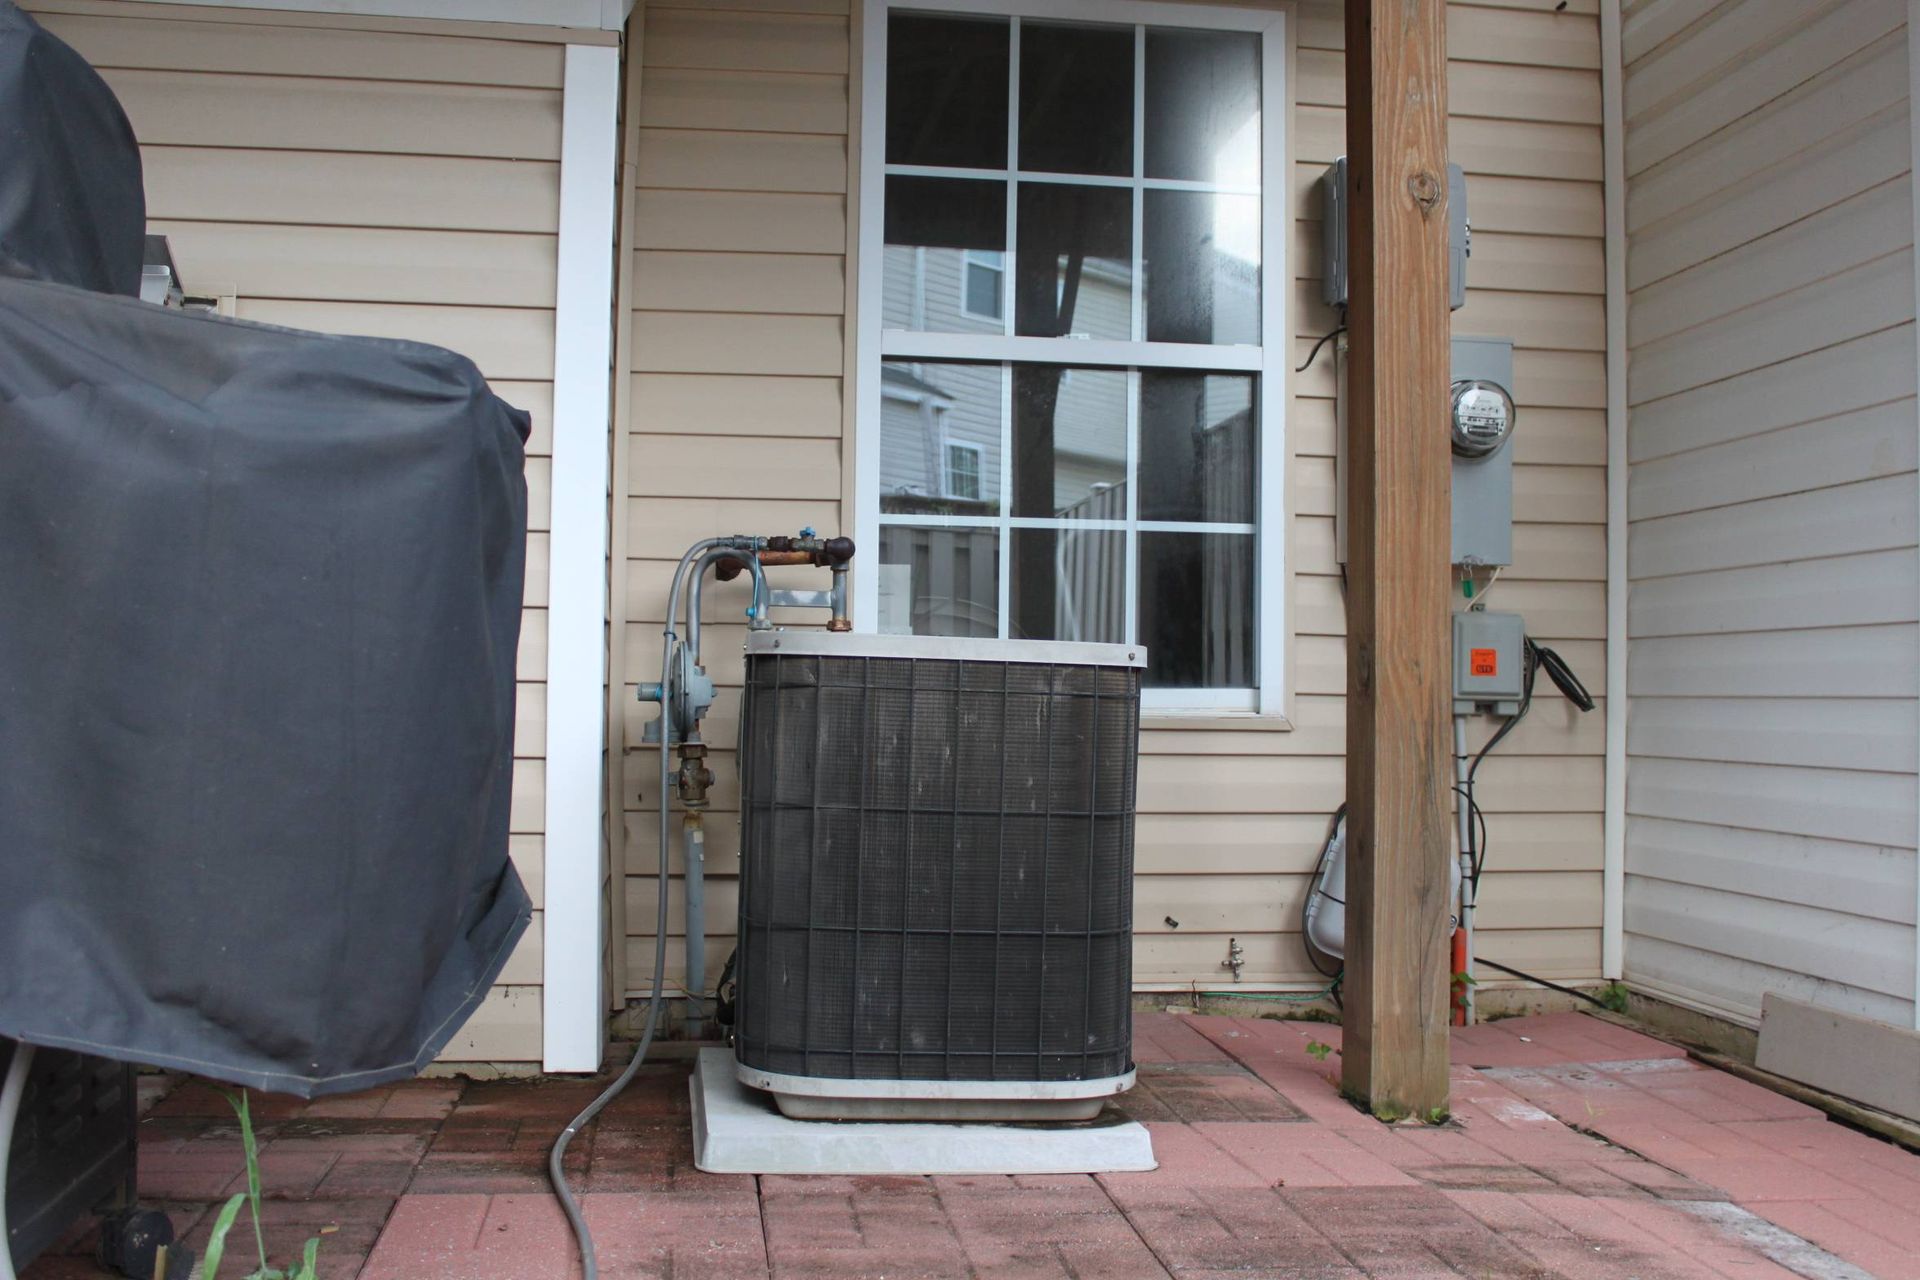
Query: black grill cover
[
  {"x": 262, "y": 596},
  {"x": 72, "y": 208}
]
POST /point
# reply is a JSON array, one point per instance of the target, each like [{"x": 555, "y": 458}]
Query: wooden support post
[{"x": 1398, "y": 479}]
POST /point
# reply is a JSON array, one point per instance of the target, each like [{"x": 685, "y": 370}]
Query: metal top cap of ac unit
[
  {"x": 1057, "y": 653},
  {"x": 1482, "y": 417}
]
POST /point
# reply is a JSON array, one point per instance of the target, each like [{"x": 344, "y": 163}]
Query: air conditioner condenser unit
[{"x": 936, "y": 900}]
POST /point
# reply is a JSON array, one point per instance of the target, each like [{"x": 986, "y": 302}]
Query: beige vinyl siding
[
  {"x": 738, "y": 426},
  {"x": 1772, "y": 505},
  {"x": 386, "y": 182}
]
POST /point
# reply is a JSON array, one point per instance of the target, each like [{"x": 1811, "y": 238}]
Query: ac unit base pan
[
  {"x": 739, "y": 1130},
  {"x": 1011, "y": 1101}
]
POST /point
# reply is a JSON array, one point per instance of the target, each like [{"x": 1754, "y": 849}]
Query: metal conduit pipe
[
  {"x": 1463, "y": 824},
  {"x": 590, "y": 1267},
  {"x": 757, "y": 611}
]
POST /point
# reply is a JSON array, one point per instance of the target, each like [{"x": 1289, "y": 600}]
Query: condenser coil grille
[{"x": 937, "y": 868}]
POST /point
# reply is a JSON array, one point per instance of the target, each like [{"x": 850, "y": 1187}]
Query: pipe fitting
[
  {"x": 1236, "y": 958},
  {"x": 694, "y": 777}
]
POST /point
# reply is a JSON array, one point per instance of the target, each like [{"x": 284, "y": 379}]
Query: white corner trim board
[
  {"x": 572, "y": 1031},
  {"x": 1613, "y": 874},
  {"x": 593, "y": 15},
  {"x": 1913, "y": 180}
]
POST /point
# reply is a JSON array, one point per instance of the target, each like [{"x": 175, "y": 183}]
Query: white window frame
[
  {"x": 591, "y": 15},
  {"x": 979, "y": 470},
  {"x": 971, "y": 258},
  {"x": 1269, "y": 360}
]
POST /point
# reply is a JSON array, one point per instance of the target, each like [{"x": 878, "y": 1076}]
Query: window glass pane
[
  {"x": 939, "y": 582},
  {"x": 1069, "y": 442},
  {"x": 1076, "y": 99},
  {"x": 1074, "y": 269},
  {"x": 947, "y": 91},
  {"x": 1197, "y": 610},
  {"x": 926, "y": 412},
  {"x": 1199, "y": 447},
  {"x": 936, "y": 230},
  {"x": 1203, "y": 106},
  {"x": 1069, "y": 584},
  {"x": 1202, "y": 267}
]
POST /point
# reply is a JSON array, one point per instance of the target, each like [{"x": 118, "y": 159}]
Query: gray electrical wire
[
  {"x": 10, "y": 1095},
  {"x": 556, "y": 1158}
]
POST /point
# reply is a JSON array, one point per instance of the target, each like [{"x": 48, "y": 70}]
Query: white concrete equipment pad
[{"x": 739, "y": 1130}]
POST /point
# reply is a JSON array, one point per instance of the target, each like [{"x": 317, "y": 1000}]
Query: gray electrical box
[
  {"x": 1482, "y": 486},
  {"x": 1333, "y": 253},
  {"x": 1488, "y": 662}
]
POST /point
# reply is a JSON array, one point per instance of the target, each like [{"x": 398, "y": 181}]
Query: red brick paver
[
  {"x": 1846, "y": 1192},
  {"x": 1576, "y": 1149}
]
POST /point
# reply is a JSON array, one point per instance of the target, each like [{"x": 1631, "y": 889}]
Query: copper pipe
[{"x": 726, "y": 570}]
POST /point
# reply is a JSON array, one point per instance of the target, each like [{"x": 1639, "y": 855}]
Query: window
[
  {"x": 1073, "y": 234},
  {"x": 963, "y": 472},
  {"x": 980, "y": 291}
]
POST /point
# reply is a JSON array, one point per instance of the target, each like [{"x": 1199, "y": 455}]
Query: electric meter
[{"x": 1482, "y": 417}]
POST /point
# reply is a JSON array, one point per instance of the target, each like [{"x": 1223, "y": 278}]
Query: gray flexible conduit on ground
[
  {"x": 10, "y": 1095},
  {"x": 590, "y": 1264},
  {"x": 594, "y": 1108}
]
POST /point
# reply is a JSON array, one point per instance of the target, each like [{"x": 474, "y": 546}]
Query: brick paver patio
[{"x": 1577, "y": 1149}]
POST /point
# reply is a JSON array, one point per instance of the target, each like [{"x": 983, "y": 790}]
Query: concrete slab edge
[{"x": 736, "y": 1130}]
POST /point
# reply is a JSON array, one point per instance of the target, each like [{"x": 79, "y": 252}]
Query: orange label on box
[{"x": 1483, "y": 662}]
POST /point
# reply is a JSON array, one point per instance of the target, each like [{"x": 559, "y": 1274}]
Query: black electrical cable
[
  {"x": 1551, "y": 986},
  {"x": 1476, "y": 832},
  {"x": 1315, "y": 353},
  {"x": 1535, "y": 658},
  {"x": 723, "y": 991},
  {"x": 1562, "y": 676}
]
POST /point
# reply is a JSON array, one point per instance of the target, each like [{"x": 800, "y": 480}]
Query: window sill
[{"x": 1238, "y": 721}]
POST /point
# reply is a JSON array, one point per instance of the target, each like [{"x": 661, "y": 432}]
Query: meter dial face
[{"x": 1482, "y": 417}]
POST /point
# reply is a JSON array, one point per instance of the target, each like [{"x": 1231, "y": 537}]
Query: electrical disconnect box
[
  {"x": 1481, "y": 419},
  {"x": 1488, "y": 662},
  {"x": 1333, "y": 251}
]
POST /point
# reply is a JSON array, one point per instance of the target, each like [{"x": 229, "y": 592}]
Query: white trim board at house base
[
  {"x": 739, "y": 1130},
  {"x": 592, "y": 15},
  {"x": 572, "y": 1029}
]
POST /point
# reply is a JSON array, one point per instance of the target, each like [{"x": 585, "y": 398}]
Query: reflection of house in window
[
  {"x": 980, "y": 290},
  {"x": 935, "y": 459}
]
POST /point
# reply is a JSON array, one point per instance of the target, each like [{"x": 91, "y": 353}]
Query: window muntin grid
[{"x": 1224, "y": 194}]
